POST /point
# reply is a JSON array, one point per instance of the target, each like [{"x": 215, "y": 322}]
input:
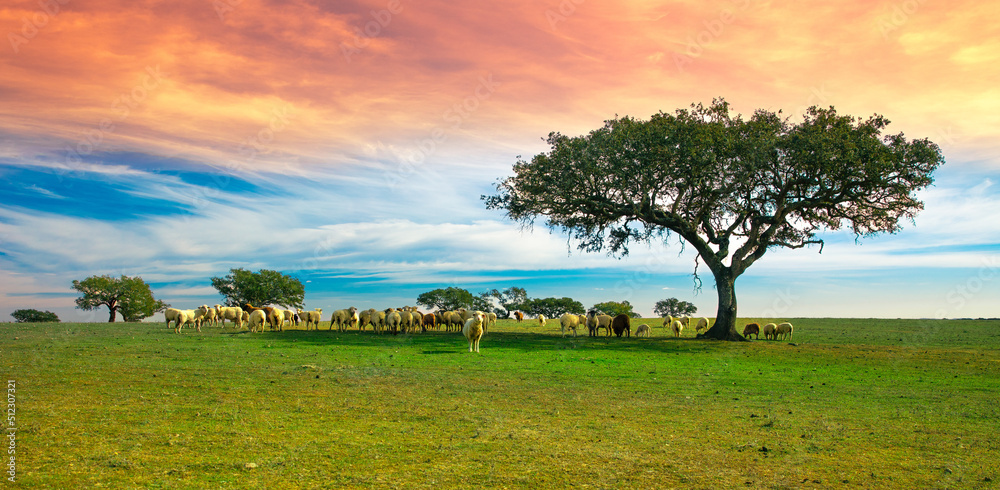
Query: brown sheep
[
  {"x": 752, "y": 329},
  {"x": 622, "y": 324},
  {"x": 518, "y": 316},
  {"x": 430, "y": 321}
]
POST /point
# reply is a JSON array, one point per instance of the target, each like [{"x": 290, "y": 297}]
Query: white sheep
[
  {"x": 541, "y": 320},
  {"x": 344, "y": 318},
  {"x": 569, "y": 321},
  {"x": 703, "y": 324},
  {"x": 179, "y": 317},
  {"x": 784, "y": 330},
  {"x": 311, "y": 317},
  {"x": 256, "y": 321},
  {"x": 676, "y": 327},
  {"x": 232, "y": 313},
  {"x": 769, "y": 331},
  {"x": 291, "y": 317},
  {"x": 491, "y": 321},
  {"x": 276, "y": 318},
  {"x": 473, "y": 331},
  {"x": 604, "y": 321},
  {"x": 642, "y": 330},
  {"x": 211, "y": 316}
]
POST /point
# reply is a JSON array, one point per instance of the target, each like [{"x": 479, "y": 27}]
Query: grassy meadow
[{"x": 846, "y": 403}]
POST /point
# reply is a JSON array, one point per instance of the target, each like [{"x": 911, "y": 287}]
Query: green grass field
[{"x": 844, "y": 404}]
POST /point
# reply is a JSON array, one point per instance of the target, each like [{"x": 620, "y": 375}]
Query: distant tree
[
  {"x": 552, "y": 307},
  {"x": 34, "y": 316},
  {"x": 615, "y": 308},
  {"x": 674, "y": 307},
  {"x": 450, "y": 298},
  {"x": 130, "y": 295},
  {"x": 509, "y": 299},
  {"x": 730, "y": 187},
  {"x": 264, "y": 287}
]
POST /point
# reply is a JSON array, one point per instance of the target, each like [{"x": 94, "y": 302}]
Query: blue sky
[{"x": 179, "y": 151}]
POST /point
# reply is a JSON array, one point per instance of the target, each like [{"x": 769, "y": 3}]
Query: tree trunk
[
  {"x": 725, "y": 317},
  {"x": 113, "y": 308}
]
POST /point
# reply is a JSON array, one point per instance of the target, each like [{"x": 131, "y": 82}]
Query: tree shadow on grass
[{"x": 440, "y": 342}]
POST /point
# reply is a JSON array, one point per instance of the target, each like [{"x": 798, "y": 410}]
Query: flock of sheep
[{"x": 473, "y": 324}]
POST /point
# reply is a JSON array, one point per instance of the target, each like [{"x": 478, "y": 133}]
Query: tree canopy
[
  {"x": 674, "y": 307},
  {"x": 34, "y": 316},
  {"x": 264, "y": 287},
  {"x": 732, "y": 188},
  {"x": 552, "y": 307},
  {"x": 129, "y": 295},
  {"x": 451, "y": 298},
  {"x": 509, "y": 299},
  {"x": 615, "y": 308}
]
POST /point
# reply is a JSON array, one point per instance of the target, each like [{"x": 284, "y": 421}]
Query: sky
[{"x": 348, "y": 143}]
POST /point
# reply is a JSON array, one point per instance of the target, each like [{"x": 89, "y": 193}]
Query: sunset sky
[{"x": 348, "y": 143}]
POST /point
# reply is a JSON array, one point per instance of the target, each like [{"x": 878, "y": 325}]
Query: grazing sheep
[
  {"x": 455, "y": 319},
  {"x": 344, "y": 318},
  {"x": 405, "y": 321},
  {"x": 519, "y": 316},
  {"x": 622, "y": 324},
  {"x": 473, "y": 331},
  {"x": 752, "y": 329},
  {"x": 430, "y": 321},
  {"x": 541, "y": 320},
  {"x": 569, "y": 321},
  {"x": 268, "y": 312},
  {"x": 276, "y": 319},
  {"x": 311, "y": 317},
  {"x": 769, "y": 331},
  {"x": 676, "y": 327},
  {"x": 246, "y": 316},
  {"x": 180, "y": 317},
  {"x": 232, "y": 313},
  {"x": 604, "y": 321},
  {"x": 257, "y": 320},
  {"x": 491, "y": 321},
  {"x": 392, "y": 320},
  {"x": 291, "y": 317},
  {"x": 592, "y": 323},
  {"x": 784, "y": 330},
  {"x": 642, "y": 331},
  {"x": 703, "y": 324},
  {"x": 211, "y": 316}
]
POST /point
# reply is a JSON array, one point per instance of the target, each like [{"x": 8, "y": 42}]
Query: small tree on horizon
[
  {"x": 129, "y": 295},
  {"x": 34, "y": 316},
  {"x": 674, "y": 307},
  {"x": 261, "y": 288},
  {"x": 615, "y": 308}
]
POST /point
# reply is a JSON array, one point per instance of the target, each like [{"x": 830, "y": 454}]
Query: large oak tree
[
  {"x": 261, "y": 288},
  {"x": 129, "y": 295},
  {"x": 730, "y": 187}
]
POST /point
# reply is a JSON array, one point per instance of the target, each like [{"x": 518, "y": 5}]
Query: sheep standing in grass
[
  {"x": 491, "y": 321},
  {"x": 291, "y": 317},
  {"x": 430, "y": 321},
  {"x": 752, "y": 329},
  {"x": 392, "y": 320},
  {"x": 518, "y": 316},
  {"x": 604, "y": 321},
  {"x": 344, "y": 318},
  {"x": 769, "y": 331},
  {"x": 642, "y": 330},
  {"x": 622, "y": 324},
  {"x": 592, "y": 323},
  {"x": 569, "y": 321},
  {"x": 455, "y": 319},
  {"x": 783, "y": 330},
  {"x": 676, "y": 327},
  {"x": 311, "y": 317},
  {"x": 703, "y": 324},
  {"x": 211, "y": 316},
  {"x": 257, "y": 320},
  {"x": 180, "y": 318},
  {"x": 232, "y": 313},
  {"x": 541, "y": 320},
  {"x": 473, "y": 331},
  {"x": 276, "y": 319}
]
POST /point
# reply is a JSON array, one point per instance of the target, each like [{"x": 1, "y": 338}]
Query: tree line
[{"x": 133, "y": 298}]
